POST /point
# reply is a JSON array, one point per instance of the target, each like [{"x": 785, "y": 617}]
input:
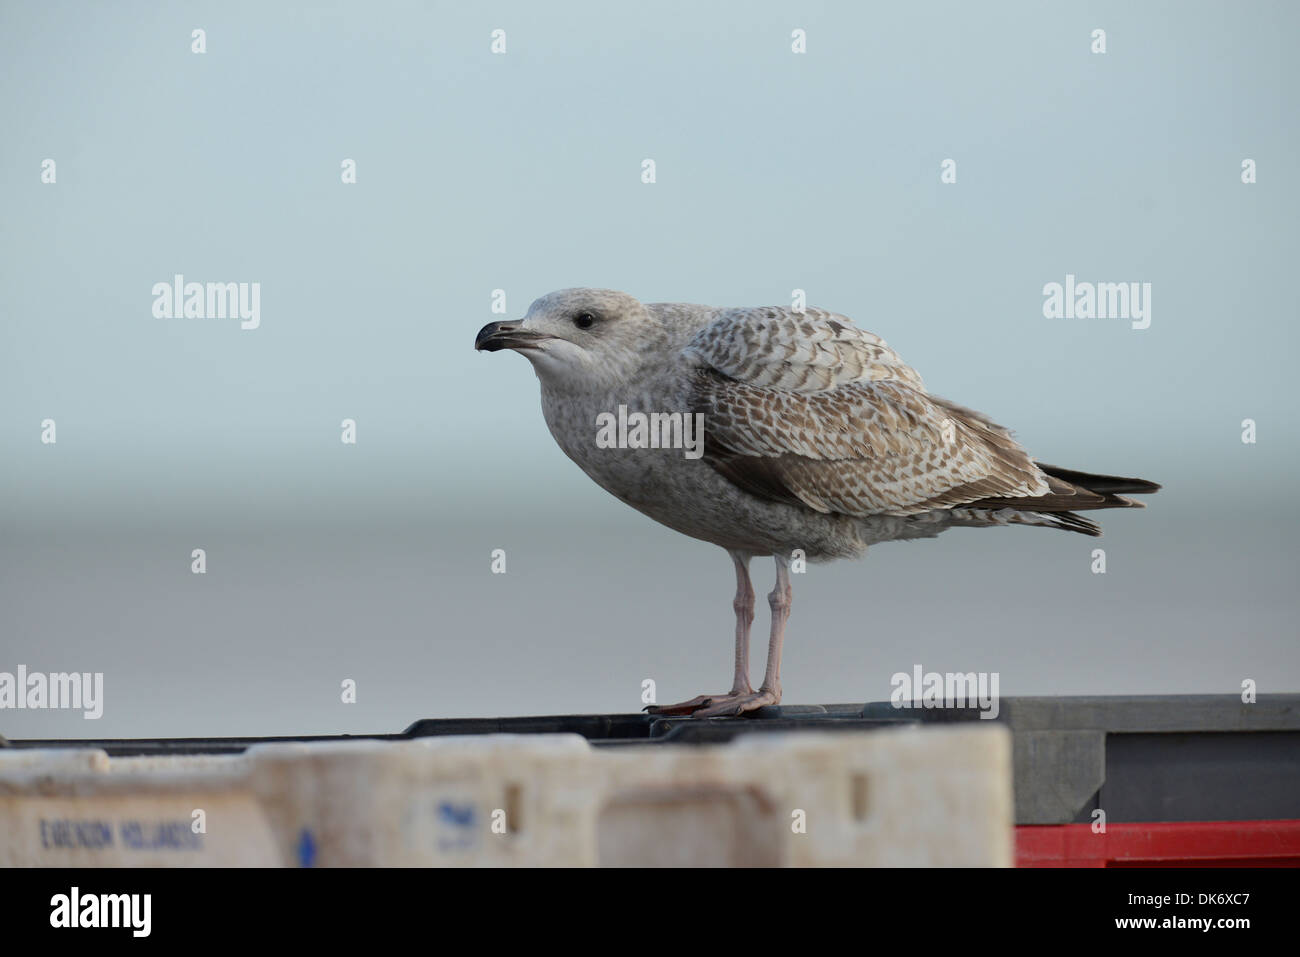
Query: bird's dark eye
[{"x": 584, "y": 320}]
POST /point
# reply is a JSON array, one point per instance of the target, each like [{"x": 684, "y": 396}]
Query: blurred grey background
[{"x": 521, "y": 172}]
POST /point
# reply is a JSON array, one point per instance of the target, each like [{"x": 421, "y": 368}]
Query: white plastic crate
[{"x": 903, "y": 796}]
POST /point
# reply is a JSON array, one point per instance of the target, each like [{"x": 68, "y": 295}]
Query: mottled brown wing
[
  {"x": 812, "y": 351},
  {"x": 806, "y": 408}
]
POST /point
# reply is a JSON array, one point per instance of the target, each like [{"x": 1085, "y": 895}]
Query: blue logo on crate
[
  {"x": 458, "y": 815},
  {"x": 457, "y": 830},
  {"x": 306, "y": 849}
]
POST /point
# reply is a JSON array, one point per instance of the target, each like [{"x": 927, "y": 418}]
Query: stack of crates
[
  {"x": 1084, "y": 782},
  {"x": 896, "y": 796}
]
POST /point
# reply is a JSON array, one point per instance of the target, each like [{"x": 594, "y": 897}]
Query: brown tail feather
[
  {"x": 1076, "y": 523},
  {"x": 1071, "y": 491}
]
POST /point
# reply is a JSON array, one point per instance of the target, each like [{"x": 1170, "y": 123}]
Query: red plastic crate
[{"x": 1161, "y": 844}]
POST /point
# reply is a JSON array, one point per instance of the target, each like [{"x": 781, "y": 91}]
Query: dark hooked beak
[{"x": 506, "y": 335}]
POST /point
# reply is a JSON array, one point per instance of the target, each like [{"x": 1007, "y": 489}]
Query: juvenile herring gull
[{"x": 817, "y": 437}]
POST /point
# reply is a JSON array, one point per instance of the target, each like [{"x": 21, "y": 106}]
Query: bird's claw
[
  {"x": 718, "y": 705},
  {"x": 738, "y": 704},
  {"x": 685, "y": 707}
]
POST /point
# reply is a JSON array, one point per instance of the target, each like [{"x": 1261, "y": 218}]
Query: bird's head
[{"x": 578, "y": 337}]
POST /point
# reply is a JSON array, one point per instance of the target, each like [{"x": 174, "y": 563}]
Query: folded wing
[{"x": 806, "y": 408}]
